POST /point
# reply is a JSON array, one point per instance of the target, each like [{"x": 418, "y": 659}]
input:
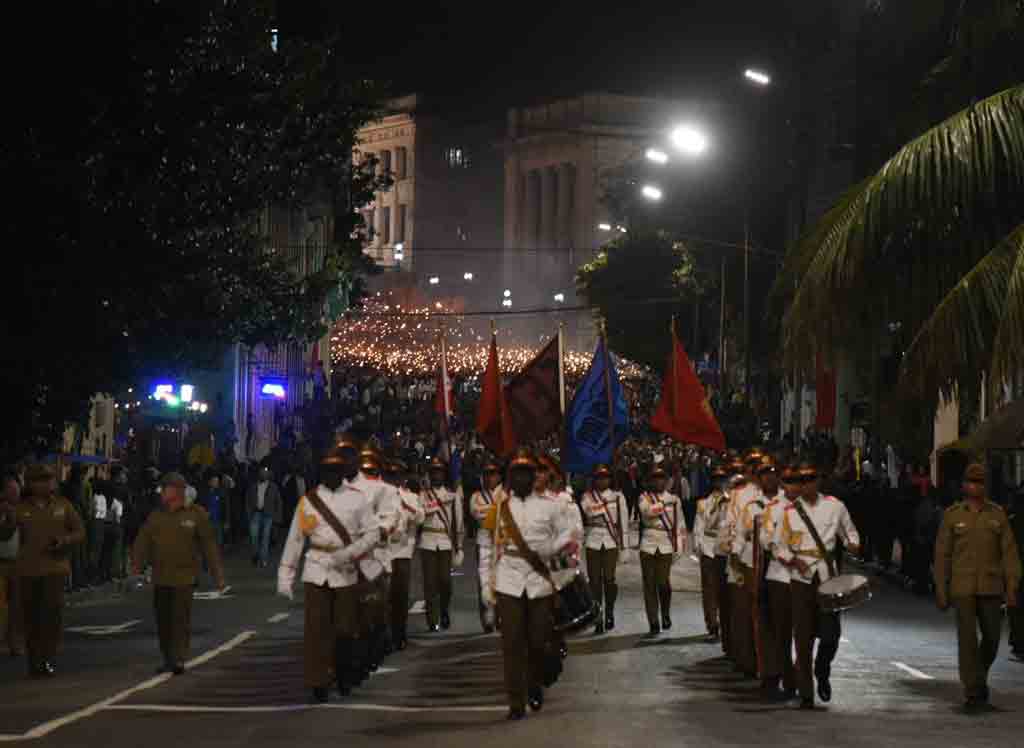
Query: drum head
[{"x": 843, "y": 585}]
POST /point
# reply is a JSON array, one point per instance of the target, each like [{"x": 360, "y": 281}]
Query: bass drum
[
  {"x": 843, "y": 593},
  {"x": 575, "y": 608}
]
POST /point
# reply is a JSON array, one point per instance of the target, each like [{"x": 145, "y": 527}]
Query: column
[
  {"x": 513, "y": 193},
  {"x": 548, "y": 208},
  {"x": 531, "y": 215},
  {"x": 566, "y": 187}
]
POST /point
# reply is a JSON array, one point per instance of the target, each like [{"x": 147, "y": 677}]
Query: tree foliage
[
  {"x": 637, "y": 283},
  {"x": 139, "y": 186}
]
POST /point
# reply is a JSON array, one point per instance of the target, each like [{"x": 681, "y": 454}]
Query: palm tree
[{"x": 934, "y": 241}]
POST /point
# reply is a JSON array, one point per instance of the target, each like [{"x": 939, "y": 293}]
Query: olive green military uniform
[
  {"x": 42, "y": 571},
  {"x": 976, "y": 562},
  {"x": 169, "y": 541}
]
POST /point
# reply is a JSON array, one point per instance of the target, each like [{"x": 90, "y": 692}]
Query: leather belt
[{"x": 325, "y": 548}]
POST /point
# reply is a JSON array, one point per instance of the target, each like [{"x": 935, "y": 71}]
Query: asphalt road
[{"x": 895, "y": 683}]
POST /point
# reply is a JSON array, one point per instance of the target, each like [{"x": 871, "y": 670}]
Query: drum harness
[
  {"x": 671, "y": 530},
  {"x": 829, "y": 560},
  {"x": 451, "y": 527},
  {"x": 616, "y": 531}
]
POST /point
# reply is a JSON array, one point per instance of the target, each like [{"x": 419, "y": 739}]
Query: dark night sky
[{"x": 502, "y": 53}]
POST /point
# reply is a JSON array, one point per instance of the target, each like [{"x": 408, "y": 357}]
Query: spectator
[
  {"x": 212, "y": 500},
  {"x": 112, "y": 557},
  {"x": 263, "y": 503}
]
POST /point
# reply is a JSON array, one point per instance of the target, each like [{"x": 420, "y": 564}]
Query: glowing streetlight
[
  {"x": 621, "y": 229},
  {"x": 434, "y": 280},
  {"x": 689, "y": 140},
  {"x": 467, "y": 276},
  {"x": 507, "y": 293},
  {"x": 399, "y": 252},
  {"x": 507, "y": 302},
  {"x": 759, "y": 77},
  {"x": 657, "y": 156},
  {"x": 651, "y": 192},
  {"x": 559, "y": 297},
  {"x": 604, "y": 226}
]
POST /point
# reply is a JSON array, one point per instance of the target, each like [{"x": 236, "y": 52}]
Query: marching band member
[
  {"x": 777, "y": 635},
  {"x": 409, "y": 516},
  {"x": 706, "y": 524},
  {"x": 480, "y": 504},
  {"x": 440, "y": 544},
  {"x": 337, "y": 520},
  {"x": 662, "y": 541},
  {"x": 740, "y": 491},
  {"x": 376, "y": 568},
  {"x": 522, "y": 534},
  {"x": 811, "y": 565},
  {"x": 604, "y": 516}
]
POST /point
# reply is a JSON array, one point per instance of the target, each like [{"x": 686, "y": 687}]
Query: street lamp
[
  {"x": 759, "y": 77},
  {"x": 604, "y": 226},
  {"x": 507, "y": 293},
  {"x": 689, "y": 140},
  {"x": 399, "y": 252},
  {"x": 507, "y": 302},
  {"x": 467, "y": 276},
  {"x": 651, "y": 192},
  {"x": 434, "y": 280},
  {"x": 559, "y": 297},
  {"x": 657, "y": 156}
]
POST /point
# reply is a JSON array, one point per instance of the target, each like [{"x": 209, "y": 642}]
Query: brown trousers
[
  {"x": 437, "y": 583},
  {"x": 401, "y": 576},
  {"x": 724, "y": 604},
  {"x": 12, "y": 627},
  {"x": 173, "y": 606},
  {"x": 810, "y": 623},
  {"x": 378, "y": 612},
  {"x": 777, "y": 635},
  {"x": 974, "y": 614},
  {"x": 331, "y": 613},
  {"x": 42, "y": 606},
  {"x": 656, "y": 570},
  {"x": 601, "y": 571},
  {"x": 742, "y": 630},
  {"x": 526, "y": 627},
  {"x": 709, "y": 591}
]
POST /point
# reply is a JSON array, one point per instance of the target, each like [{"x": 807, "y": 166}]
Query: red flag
[
  {"x": 825, "y": 389},
  {"x": 532, "y": 396},
  {"x": 684, "y": 412},
  {"x": 493, "y": 422}
]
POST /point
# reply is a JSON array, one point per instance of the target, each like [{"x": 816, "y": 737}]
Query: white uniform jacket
[
  {"x": 383, "y": 501},
  {"x": 662, "y": 524},
  {"x": 409, "y": 515},
  {"x": 743, "y": 539},
  {"x": 443, "y": 526},
  {"x": 771, "y": 537},
  {"x": 545, "y": 530},
  {"x": 605, "y": 520},
  {"x": 328, "y": 560},
  {"x": 481, "y": 502},
  {"x": 707, "y": 523},
  {"x": 832, "y": 521}
]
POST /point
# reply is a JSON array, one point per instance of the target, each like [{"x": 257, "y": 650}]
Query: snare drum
[
  {"x": 843, "y": 593},
  {"x": 575, "y": 608}
]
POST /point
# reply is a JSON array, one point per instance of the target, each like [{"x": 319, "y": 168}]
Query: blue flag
[{"x": 588, "y": 438}]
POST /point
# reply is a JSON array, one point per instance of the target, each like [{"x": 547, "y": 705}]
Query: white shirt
[
  {"x": 410, "y": 516},
  {"x": 739, "y": 498},
  {"x": 261, "y": 492},
  {"x": 100, "y": 504},
  {"x": 545, "y": 530},
  {"x": 605, "y": 516},
  {"x": 743, "y": 539},
  {"x": 115, "y": 511},
  {"x": 707, "y": 523},
  {"x": 661, "y": 520},
  {"x": 328, "y": 560},
  {"x": 832, "y": 521},
  {"x": 771, "y": 537},
  {"x": 443, "y": 525},
  {"x": 382, "y": 502}
]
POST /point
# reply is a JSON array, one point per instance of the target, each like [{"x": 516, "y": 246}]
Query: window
[
  {"x": 368, "y": 160},
  {"x": 456, "y": 157},
  {"x": 385, "y": 162},
  {"x": 403, "y": 212},
  {"x": 401, "y": 157},
  {"x": 371, "y": 228},
  {"x": 385, "y": 227}
]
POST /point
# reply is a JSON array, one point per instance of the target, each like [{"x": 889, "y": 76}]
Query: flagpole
[
  {"x": 561, "y": 367},
  {"x": 675, "y": 371},
  {"x": 608, "y": 391}
]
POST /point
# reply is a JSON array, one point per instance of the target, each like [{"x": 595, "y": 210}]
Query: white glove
[
  {"x": 285, "y": 590},
  {"x": 458, "y": 558}
]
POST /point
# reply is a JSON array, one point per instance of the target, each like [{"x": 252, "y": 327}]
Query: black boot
[
  {"x": 446, "y": 621},
  {"x": 655, "y": 630},
  {"x": 536, "y": 698},
  {"x": 320, "y": 696},
  {"x": 599, "y": 626},
  {"x": 343, "y": 665},
  {"x": 665, "y": 601},
  {"x": 611, "y": 594}
]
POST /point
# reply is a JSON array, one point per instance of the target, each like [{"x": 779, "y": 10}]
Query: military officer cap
[
  {"x": 767, "y": 465},
  {"x": 524, "y": 458},
  {"x": 753, "y": 456},
  {"x": 549, "y": 463},
  {"x": 395, "y": 465},
  {"x": 437, "y": 463},
  {"x": 173, "y": 479},
  {"x": 370, "y": 462},
  {"x": 975, "y": 473},
  {"x": 38, "y": 472},
  {"x": 335, "y": 455},
  {"x": 658, "y": 472},
  {"x": 719, "y": 471},
  {"x": 602, "y": 471},
  {"x": 348, "y": 442},
  {"x": 807, "y": 471},
  {"x": 491, "y": 466},
  {"x": 789, "y": 473}
]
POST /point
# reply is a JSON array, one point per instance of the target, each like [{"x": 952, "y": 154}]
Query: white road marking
[
  {"x": 420, "y": 606},
  {"x": 298, "y": 708},
  {"x": 386, "y": 670},
  {"x": 912, "y": 671},
  {"x": 844, "y": 640},
  {"x": 278, "y": 618},
  {"x": 104, "y": 630},
  {"x": 46, "y": 728},
  {"x": 214, "y": 595}
]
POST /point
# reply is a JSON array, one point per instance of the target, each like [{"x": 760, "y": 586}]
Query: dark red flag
[
  {"x": 684, "y": 412},
  {"x": 532, "y": 396},
  {"x": 493, "y": 421}
]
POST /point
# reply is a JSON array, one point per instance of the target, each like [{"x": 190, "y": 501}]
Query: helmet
[
  {"x": 602, "y": 471},
  {"x": 524, "y": 458}
]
